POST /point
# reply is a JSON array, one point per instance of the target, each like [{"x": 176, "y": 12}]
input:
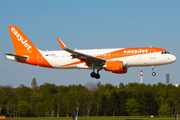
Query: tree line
[{"x": 92, "y": 99}]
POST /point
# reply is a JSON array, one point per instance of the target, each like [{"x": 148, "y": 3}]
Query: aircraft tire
[
  {"x": 93, "y": 74},
  {"x": 153, "y": 74},
  {"x": 97, "y": 76}
]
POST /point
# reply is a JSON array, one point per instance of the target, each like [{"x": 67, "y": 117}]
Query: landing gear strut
[
  {"x": 95, "y": 75},
  {"x": 153, "y": 73}
]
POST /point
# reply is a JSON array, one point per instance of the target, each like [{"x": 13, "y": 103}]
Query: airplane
[{"x": 115, "y": 60}]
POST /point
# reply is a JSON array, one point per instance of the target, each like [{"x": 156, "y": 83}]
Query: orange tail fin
[
  {"x": 25, "y": 51},
  {"x": 22, "y": 45}
]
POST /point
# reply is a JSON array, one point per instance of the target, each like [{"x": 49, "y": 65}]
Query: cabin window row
[{"x": 110, "y": 54}]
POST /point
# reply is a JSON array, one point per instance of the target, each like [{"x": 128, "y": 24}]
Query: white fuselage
[{"x": 58, "y": 59}]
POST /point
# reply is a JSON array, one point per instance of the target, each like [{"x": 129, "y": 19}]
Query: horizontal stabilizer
[{"x": 14, "y": 57}]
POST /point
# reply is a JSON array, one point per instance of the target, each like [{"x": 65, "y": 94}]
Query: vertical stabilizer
[
  {"x": 22, "y": 45},
  {"x": 25, "y": 51}
]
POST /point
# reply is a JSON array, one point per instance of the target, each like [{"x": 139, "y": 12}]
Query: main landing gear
[
  {"x": 95, "y": 75},
  {"x": 153, "y": 73}
]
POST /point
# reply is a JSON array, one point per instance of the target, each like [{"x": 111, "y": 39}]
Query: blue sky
[{"x": 89, "y": 24}]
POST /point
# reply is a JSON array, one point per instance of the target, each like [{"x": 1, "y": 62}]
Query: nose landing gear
[{"x": 153, "y": 73}]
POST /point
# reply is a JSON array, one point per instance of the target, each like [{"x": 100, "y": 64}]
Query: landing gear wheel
[
  {"x": 97, "y": 76},
  {"x": 153, "y": 74},
  {"x": 93, "y": 74}
]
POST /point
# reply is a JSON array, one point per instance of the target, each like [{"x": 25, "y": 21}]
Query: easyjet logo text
[
  {"x": 21, "y": 39},
  {"x": 136, "y": 51}
]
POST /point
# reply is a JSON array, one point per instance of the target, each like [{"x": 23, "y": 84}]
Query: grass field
[{"x": 95, "y": 118}]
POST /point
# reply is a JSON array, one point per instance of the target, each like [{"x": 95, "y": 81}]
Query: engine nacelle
[
  {"x": 115, "y": 67},
  {"x": 123, "y": 71}
]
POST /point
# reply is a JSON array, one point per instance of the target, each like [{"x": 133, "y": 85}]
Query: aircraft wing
[{"x": 83, "y": 57}]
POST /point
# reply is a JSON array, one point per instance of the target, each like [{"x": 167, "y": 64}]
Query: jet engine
[{"x": 115, "y": 67}]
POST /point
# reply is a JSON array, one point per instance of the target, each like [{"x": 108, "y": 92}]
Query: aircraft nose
[{"x": 173, "y": 58}]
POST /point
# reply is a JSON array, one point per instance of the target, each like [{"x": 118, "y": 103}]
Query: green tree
[
  {"x": 164, "y": 109},
  {"x": 103, "y": 105},
  {"x": 148, "y": 105},
  {"x": 122, "y": 99},
  {"x": 76, "y": 96},
  {"x": 23, "y": 93},
  {"x": 23, "y": 108},
  {"x": 33, "y": 83},
  {"x": 177, "y": 100},
  {"x": 132, "y": 107},
  {"x": 96, "y": 100},
  {"x": 49, "y": 91},
  {"x": 6, "y": 94},
  {"x": 90, "y": 100},
  {"x": 10, "y": 107},
  {"x": 35, "y": 97},
  {"x": 40, "y": 109},
  {"x": 85, "y": 102},
  {"x": 60, "y": 103},
  {"x": 121, "y": 86},
  {"x": 114, "y": 103}
]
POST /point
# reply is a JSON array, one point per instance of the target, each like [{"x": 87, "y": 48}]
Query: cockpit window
[{"x": 164, "y": 52}]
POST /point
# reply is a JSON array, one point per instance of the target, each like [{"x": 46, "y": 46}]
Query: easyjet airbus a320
[{"x": 116, "y": 60}]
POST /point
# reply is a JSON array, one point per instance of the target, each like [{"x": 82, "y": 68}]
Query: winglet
[{"x": 61, "y": 43}]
